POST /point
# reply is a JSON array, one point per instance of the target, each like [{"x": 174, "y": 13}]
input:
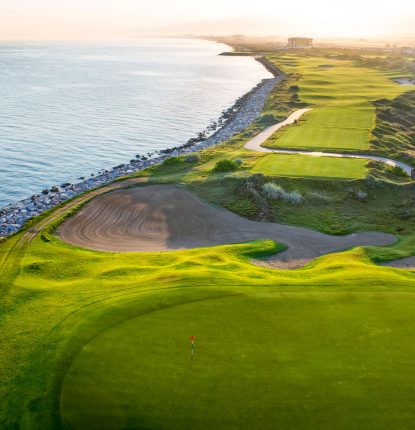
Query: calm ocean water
[{"x": 68, "y": 110}]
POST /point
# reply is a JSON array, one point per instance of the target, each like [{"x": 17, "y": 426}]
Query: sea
[{"x": 70, "y": 109}]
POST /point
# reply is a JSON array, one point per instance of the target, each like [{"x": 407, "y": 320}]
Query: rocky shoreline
[{"x": 232, "y": 121}]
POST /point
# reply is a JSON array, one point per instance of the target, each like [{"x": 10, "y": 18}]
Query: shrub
[
  {"x": 267, "y": 118},
  {"x": 292, "y": 197},
  {"x": 172, "y": 161},
  {"x": 373, "y": 183},
  {"x": 275, "y": 192},
  {"x": 244, "y": 207},
  {"x": 225, "y": 166},
  {"x": 398, "y": 171},
  {"x": 294, "y": 88},
  {"x": 272, "y": 191},
  {"x": 192, "y": 158},
  {"x": 238, "y": 161},
  {"x": 361, "y": 195}
]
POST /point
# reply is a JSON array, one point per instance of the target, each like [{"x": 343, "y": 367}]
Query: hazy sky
[{"x": 109, "y": 18}]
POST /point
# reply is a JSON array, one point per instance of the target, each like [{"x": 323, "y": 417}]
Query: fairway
[
  {"x": 310, "y": 166},
  {"x": 341, "y": 97},
  {"x": 328, "y": 128},
  {"x": 292, "y": 360}
]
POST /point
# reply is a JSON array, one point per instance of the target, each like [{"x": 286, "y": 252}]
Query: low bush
[
  {"x": 225, "y": 166},
  {"x": 267, "y": 118},
  {"x": 397, "y": 171},
  {"x": 275, "y": 192},
  {"x": 192, "y": 158},
  {"x": 244, "y": 207},
  {"x": 361, "y": 195},
  {"x": 172, "y": 161}
]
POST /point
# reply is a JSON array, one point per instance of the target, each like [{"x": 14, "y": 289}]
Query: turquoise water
[{"x": 68, "y": 110}]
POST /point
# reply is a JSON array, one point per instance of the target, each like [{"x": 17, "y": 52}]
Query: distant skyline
[{"x": 78, "y": 19}]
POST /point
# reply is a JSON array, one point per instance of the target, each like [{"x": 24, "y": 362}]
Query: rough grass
[{"x": 306, "y": 166}]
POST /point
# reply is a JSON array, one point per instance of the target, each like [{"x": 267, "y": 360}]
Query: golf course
[{"x": 279, "y": 265}]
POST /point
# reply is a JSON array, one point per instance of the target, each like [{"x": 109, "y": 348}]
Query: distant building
[
  {"x": 238, "y": 37},
  {"x": 407, "y": 50},
  {"x": 300, "y": 42}
]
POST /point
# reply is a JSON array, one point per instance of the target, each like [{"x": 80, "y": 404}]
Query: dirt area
[
  {"x": 166, "y": 217},
  {"x": 402, "y": 263}
]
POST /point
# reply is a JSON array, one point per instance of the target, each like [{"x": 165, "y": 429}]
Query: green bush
[
  {"x": 267, "y": 118},
  {"x": 398, "y": 171},
  {"x": 192, "y": 158},
  {"x": 244, "y": 207},
  {"x": 172, "y": 161},
  {"x": 225, "y": 166}
]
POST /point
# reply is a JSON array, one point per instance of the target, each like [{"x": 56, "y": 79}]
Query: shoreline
[{"x": 232, "y": 121}]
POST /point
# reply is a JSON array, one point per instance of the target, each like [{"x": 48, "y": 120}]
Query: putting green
[
  {"x": 310, "y": 166},
  {"x": 341, "y": 96},
  {"x": 318, "y": 360}
]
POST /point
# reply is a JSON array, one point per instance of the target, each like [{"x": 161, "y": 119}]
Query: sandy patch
[
  {"x": 165, "y": 218},
  {"x": 402, "y": 263},
  {"x": 405, "y": 81}
]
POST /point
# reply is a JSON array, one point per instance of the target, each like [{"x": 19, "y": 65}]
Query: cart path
[{"x": 255, "y": 145}]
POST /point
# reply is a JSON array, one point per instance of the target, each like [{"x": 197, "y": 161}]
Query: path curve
[
  {"x": 157, "y": 218},
  {"x": 255, "y": 145}
]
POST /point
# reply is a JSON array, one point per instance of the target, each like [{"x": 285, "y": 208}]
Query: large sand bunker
[{"x": 165, "y": 217}]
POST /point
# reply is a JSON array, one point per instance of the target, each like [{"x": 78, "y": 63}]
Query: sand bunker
[
  {"x": 405, "y": 81},
  {"x": 165, "y": 217},
  {"x": 402, "y": 263}
]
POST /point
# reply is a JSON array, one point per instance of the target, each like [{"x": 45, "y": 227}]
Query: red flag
[{"x": 192, "y": 338}]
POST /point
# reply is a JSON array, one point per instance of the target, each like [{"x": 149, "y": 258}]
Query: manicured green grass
[
  {"x": 307, "y": 166},
  {"x": 343, "y": 115},
  {"x": 290, "y": 360},
  {"x": 339, "y": 129}
]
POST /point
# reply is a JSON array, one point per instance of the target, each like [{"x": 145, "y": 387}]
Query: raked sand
[{"x": 166, "y": 218}]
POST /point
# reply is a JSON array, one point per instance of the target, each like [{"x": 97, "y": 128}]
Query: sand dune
[{"x": 165, "y": 217}]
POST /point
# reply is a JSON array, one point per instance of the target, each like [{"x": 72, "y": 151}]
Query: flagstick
[{"x": 192, "y": 341}]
